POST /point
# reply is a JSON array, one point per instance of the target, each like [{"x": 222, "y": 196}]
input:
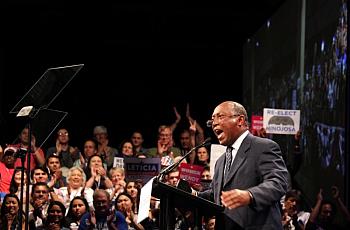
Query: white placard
[
  {"x": 118, "y": 162},
  {"x": 145, "y": 200},
  {"x": 25, "y": 111},
  {"x": 216, "y": 151},
  {"x": 281, "y": 121}
]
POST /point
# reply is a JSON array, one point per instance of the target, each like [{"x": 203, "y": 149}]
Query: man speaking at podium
[{"x": 250, "y": 178}]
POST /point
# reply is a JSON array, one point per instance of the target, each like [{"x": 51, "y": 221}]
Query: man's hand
[{"x": 235, "y": 198}]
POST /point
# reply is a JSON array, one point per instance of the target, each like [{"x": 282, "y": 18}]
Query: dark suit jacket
[{"x": 259, "y": 168}]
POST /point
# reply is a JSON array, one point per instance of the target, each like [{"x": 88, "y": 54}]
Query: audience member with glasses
[
  {"x": 67, "y": 153},
  {"x": 250, "y": 178}
]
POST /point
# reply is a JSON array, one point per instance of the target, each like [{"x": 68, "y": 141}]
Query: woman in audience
[
  {"x": 202, "y": 157},
  {"x": 75, "y": 187},
  {"x": 55, "y": 217},
  {"x": 117, "y": 177},
  {"x": 133, "y": 189},
  {"x": 96, "y": 174},
  {"x": 15, "y": 185},
  {"x": 77, "y": 208},
  {"x": 126, "y": 149},
  {"x": 125, "y": 204},
  {"x": 10, "y": 211}
]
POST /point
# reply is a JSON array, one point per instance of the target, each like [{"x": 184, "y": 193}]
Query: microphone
[{"x": 174, "y": 165}]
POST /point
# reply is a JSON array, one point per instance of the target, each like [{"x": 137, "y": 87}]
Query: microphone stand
[
  {"x": 176, "y": 164},
  {"x": 25, "y": 154}
]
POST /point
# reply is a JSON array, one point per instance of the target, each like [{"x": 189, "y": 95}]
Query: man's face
[
  {"x": 173, "y": 178},
  {"x": 165, "y": 136},
  {"x": 185, "y": 140},
  {"x": 40, "y": 176},
  {"x": 89, "y": 148},
  {"x": 326, "y": 213},
  {"x": 9, "y": 160},
  {"x": 101, "y": 203},
  {"x": 54, "y": 164},
  {"x": 226, "y": 124},
  {"x": 41, "y": 192},
  {"x": 100, "y": 137},
  {"x": 137, "y": 139},
  {"x": 291, "y": 206},
  {"x": 206, "y": 175}
]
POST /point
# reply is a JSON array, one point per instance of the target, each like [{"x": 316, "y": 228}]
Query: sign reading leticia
[{"x": 281, "y": 121}]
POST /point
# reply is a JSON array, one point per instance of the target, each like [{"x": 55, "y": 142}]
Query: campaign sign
[
  {"x": 257, "y": 122},
  {"x": 281, "y": 121},
  {"x": 191, "y": 173},
  {"x": 141, "y": 168}
]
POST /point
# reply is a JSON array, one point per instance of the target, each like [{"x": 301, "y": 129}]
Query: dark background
[{"x": 141, "y": 59}]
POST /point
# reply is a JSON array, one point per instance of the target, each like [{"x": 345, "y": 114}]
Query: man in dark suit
[{"x": 250, "y": 180}]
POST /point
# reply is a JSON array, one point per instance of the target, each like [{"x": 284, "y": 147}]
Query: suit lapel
[
  {"x": 239, "y": 158},
  {"x": 221, "y": 165}
]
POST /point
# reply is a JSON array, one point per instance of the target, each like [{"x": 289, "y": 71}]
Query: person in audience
[
  {"x": 125, "y": 204},
  {"x": 117, "y": 177},
  {"x": 126, "y": 149},
  {"x": 97, "y": 174},
  {"x": 39, "y": 204},
  {"x": 90, "y": 149},
  {"x": 206, "y": 173},
  {"x": 40, "y": 174},
  {"x": 10, "y": 212},
  {"x": 77, "y": 208},
  {"x": 187, "y": 142},
  {"x": 323, "y": 213},
  {"x": 102, "y": 217},
  {"x": 202, "y": 156},
  {"x": 173, "y": 177},
  {"x": 53, "y": 163},
  {"x": 75, "y": 187},
  {"x": 103, "y": 149},
  {"x": 37, "y": 156},
  {"x": 67, "y": 153},
  {"x": 199, "y": 132},
  {"x": 292, "y": 215},
  {"x": 55, "y": 217},
  {"x": 134, "y": 189},
  {"x": 165, "y": 146},
  {"x": 209, "y": 223},
  {"x": 7, "y": 165},
  {"x": 137, "y": 141},
  {"x": 15, "y": 186}
]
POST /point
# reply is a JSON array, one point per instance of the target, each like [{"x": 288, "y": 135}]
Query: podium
[{"x": 172, "y": 197}]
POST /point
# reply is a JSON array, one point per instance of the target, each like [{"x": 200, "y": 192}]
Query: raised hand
[{"x": 177, "y": 114}]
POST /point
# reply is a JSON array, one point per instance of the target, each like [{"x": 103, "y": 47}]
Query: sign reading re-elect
[{"x": 281, "y": 121}]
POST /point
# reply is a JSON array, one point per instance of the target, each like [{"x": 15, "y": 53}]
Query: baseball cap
[{"x": 10, "y": 150}]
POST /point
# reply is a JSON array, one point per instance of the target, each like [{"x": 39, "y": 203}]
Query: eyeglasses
[
  {"x": 219, "y": 117},
  {"x": 63, "y": 134}
]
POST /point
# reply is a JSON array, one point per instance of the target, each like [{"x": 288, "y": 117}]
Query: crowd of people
[{"x": 83, "y": 189}]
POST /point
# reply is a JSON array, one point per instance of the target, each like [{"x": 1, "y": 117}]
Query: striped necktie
[{"x": 228, "y": 159}]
